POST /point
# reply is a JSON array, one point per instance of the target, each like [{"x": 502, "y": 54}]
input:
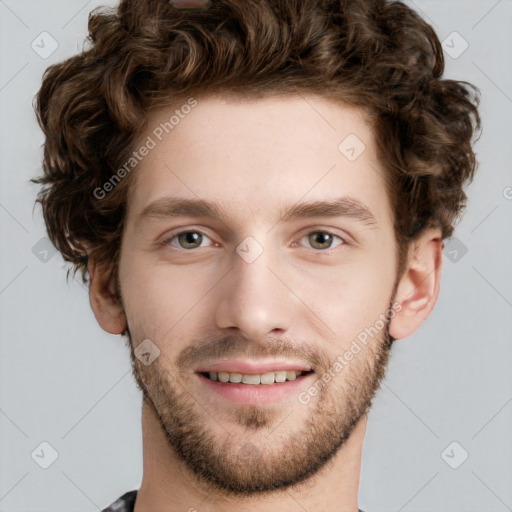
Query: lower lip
[{"x": 257, "y": 393}]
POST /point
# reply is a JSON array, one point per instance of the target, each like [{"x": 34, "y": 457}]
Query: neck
[{"x": 167, "y": 483}]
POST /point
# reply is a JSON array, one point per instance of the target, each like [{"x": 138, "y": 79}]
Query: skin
[{"x": 303, "y": 298}]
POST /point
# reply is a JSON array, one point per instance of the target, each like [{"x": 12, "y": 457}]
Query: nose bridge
[{"x": 254, "y": 299}]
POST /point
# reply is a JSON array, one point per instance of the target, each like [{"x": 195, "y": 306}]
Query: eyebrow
[{"x": 345, "y": 206}]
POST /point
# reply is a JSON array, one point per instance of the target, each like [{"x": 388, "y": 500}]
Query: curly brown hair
[{"x": 374, "y": 54}]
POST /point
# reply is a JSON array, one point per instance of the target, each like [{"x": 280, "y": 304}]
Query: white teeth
[
  {"x": 223, "y": 376},
  {"x": 251, "y": 379},
  {"x": 268, "y": 378},
  {"x": 235, "y": 377},
  {"x": 262, "y": 378},
  {"x": 280, "y": 376},
  {"x": 291, "y": 375}
]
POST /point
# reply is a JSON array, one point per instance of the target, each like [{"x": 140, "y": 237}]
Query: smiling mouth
[{"x": 267, "y": 378}]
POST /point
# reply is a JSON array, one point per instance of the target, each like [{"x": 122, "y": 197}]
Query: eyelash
[{"x": 167, "y": 241}]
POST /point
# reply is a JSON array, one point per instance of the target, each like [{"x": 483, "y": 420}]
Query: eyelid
[
  {"x": 346, "y": 239},
  {"x": 166, "y": 239}
]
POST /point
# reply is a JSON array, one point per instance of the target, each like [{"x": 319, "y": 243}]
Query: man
[{"x": 258, "y": 192}]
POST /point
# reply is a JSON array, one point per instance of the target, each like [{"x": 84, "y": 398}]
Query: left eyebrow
[{"x": 344, "y": 206}]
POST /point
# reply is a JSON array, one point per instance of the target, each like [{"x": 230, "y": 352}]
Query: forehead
[{"x": 254, "y": 155}]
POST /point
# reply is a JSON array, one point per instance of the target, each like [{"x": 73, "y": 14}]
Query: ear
[
  {"x": 418, "y": 288},
  {"x": 107, "y": 309}
]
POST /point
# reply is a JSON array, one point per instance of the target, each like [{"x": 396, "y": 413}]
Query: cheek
[
  {"x": 160, "y": 298},
  {"x": 355, "y": 295}
]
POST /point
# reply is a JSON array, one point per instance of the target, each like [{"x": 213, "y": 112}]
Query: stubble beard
[{"x": 252, "y": 456}]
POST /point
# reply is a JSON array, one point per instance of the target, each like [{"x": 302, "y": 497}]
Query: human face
[{"x": 256, "y": 285}]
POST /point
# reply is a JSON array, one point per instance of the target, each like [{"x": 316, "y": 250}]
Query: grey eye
[{"x": 321, "y": 239}]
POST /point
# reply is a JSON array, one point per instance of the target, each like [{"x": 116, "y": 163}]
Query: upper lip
[{"x": 247, "y": 366}]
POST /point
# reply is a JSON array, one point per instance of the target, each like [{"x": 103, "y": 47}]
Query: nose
[{"x": 255, "y": 297}]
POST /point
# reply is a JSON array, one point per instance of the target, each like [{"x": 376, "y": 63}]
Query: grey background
[{"x": 66, "y": 382}]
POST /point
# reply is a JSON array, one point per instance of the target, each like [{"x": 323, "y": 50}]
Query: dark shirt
[{"x": 126, "y": 503}]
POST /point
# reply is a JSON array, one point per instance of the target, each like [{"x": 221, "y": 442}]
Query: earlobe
[
  {"x": 107, "y": 309},
  {"x": 418, "y": 288}
]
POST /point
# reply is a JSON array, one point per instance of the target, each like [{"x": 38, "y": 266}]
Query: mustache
[{"x": 241, "y": 347}]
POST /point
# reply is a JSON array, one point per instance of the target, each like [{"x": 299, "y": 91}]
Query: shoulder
[{"x": 125, "y": 503}]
